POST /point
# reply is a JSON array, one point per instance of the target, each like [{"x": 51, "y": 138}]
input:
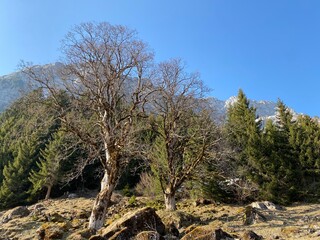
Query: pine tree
[
  {"x": 280, "y": 164},
  {"x": 242, "y": 129},
  {"x": 305, "y": 140},
  {"x": 15, "y": 183},
  {"x": 49, "y": 165}
]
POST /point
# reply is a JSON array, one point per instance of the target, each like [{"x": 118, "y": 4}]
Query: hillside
[
  {"x": 10, "y": 88},
  {"x": 14, "y": 85},
  {"x": 67, "y": 218}
]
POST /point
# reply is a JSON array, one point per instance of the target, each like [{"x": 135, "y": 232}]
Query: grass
[{"x": 300, "y": 221}]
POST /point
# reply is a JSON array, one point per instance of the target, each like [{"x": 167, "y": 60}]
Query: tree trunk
[
  {"x": 98, "y": 214},
  {"x": 48, "y": 192},
  {"x": 170, "y": 201}
]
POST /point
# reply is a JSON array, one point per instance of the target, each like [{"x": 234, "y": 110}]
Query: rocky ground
[{"x": 67, "y": 218}]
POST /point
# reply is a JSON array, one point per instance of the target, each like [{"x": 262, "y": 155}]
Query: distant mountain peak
[
  {"x": 230, "y": 101},
  {"x": 12, "y": 84}
]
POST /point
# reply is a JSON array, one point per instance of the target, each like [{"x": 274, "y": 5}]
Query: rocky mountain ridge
[{"x": 13, "y": 85}]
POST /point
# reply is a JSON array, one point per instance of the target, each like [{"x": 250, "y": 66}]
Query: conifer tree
[
  {"x": 305, "y": 140},
  {"x": 15, "y": 183},
  {"x": 242, "y": 130},
  {"x": 49, "y": 165},
  {"x": 281, "y": 166}
]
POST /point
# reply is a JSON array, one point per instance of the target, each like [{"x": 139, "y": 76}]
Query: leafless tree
[
  {"x": 105, "y": 76},
  {"x": 185, "y": 130}
]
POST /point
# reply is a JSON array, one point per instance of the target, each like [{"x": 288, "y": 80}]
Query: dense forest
[
  {"x": 115, "y": 120},
  {"x": 278, "y": 161}
]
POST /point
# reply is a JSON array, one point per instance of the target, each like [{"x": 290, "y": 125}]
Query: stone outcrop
[
  {"x": 252, "y": 215},
  {"x": 205, "y": 233},
  {"x": 16, "y": 212},
  {"x": 48, "y": 231},
  {"x": 131, "y": 224},
  {"x": 266, "y": 205}
]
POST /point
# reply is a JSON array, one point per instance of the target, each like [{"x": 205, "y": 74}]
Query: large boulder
[
  {"x": 179, "y": 218},
  {"x": 206, "y": 233},
  {"x": 17, "y": 212},
  {"x": 48, "y": 231},
  {"x": 132, "y": 223}
]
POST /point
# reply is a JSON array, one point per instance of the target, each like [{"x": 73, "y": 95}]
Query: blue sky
[{"x": 269, "y": 48}]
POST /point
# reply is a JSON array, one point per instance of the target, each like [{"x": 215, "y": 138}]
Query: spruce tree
[
  {"x": 15, "y": 183},
  {"x": 280, "y": 164},
  {"x": 49, "y": 165},
  {"x": 305, "y": 140},
  {"x": 242, "y": 130}
]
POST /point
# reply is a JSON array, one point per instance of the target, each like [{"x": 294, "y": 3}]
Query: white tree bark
[
  {"x": 98, "y": 214},
  {"x": 170, "y": 201}
]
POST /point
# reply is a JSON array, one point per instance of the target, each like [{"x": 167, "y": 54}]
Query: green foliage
[
  {"x": 243, "y": 134},
  {"x": 15, "y": 184},
  {"x": 49, "y": 165},
  {"x": 26, "y": 129},
  {"x": 149, "y": 186},
  {"x": 126, "y": 191},
  {"x": 132, "y": 200},
  {"x": 280, "y": 162}
]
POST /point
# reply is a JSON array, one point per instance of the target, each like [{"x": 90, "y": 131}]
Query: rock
[
  {"x": 272, "y": 206},
  {"x": 132, "y": 223},
  {"x": 204, "y": 233},
  {"x": 38, "y": 207},
  {"x": 172, "y": 229},
  {"x": 55, "y": 217},
  {"x": 17, "y": 212},
  {"x": 266, "y": 205},
  {"x": 116, "y": 198},
  {"x": 202, "y": 201},
  {"x": 259, "y": 205},
  {"x": 170, "y": 237},
  {"x": 250, "y": 235},
  {"x": 82, "y": 214},
  {"x": 179, "y": 218},
  {"x": 252, "y": 215},
  {"x": 49, "y": 231},
  {"x": 72, "y": 195},
  {"x": 81, "y": 235},
  {"x": 148, "y": 235}
]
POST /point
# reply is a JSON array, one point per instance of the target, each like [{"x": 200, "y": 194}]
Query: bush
[
  {"x": 149, "y": 186},
  {"x": 132, "y": 201}
]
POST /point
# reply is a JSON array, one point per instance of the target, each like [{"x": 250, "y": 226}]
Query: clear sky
[{"x": 269, "y": 48}]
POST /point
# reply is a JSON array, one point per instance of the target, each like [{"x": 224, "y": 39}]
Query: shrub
[{"x": 149, "y": 186}]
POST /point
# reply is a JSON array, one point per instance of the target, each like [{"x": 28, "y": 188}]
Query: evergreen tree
[
  {"x": 305, "y": 140},
  {"x": 49, "y": 165},
  {"x": 242, "y": 130},
  {"x": 15, "y": 183},
  {"x": 280, "y": 163}
]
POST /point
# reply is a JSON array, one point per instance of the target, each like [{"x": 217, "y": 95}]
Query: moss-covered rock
[{"x": 132, "y": 223}]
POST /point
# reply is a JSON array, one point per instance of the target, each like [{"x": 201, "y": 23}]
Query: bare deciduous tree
[
  {"x": 104, "y": 75},
  {"x": 185, "y": 130}
]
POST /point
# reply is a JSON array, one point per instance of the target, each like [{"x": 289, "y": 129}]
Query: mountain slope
[
  {"x": 11, "y": 87},
  {"x": 15, "y": 84}
]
